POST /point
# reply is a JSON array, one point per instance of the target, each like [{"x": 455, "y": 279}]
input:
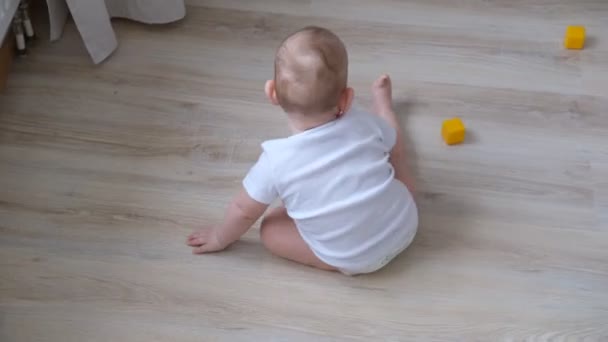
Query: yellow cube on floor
[
  {"x": 453, "y": 131},
  {"x": 575, "y": 37}
]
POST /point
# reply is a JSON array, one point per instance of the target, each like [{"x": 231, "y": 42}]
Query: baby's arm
[
  {"x": 241, "y": 214},
  {"x": 382, "y": 91}
]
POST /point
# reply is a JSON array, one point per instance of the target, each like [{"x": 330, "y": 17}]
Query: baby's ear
[
  {"x": 346, "y": 100},
  {"x": 271, "y": 92}
]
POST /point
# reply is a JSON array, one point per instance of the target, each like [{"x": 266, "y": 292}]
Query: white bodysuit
[{"x": 338, "y": 185}]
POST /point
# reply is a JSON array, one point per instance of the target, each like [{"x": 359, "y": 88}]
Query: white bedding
[{"x": 92, "y": 17}]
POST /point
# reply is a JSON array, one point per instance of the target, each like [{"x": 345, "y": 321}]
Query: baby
[{"x": 342, "y": 174}]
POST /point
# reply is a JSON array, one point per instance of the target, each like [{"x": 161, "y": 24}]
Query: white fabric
[
  {"x": 338, "y": 185},
  {"x": 7, "y": 13},
  {"x": 58, "y": 14},
  {"x": 92, "y": 18}
]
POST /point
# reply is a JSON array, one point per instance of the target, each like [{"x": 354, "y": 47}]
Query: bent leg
[{"x": 281, "y": 237}]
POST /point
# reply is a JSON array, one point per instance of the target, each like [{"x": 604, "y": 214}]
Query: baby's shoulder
[{"x": 272, "y": 145}]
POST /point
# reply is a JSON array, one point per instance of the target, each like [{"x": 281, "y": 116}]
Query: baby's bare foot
[{"x": 382, "y": 92}]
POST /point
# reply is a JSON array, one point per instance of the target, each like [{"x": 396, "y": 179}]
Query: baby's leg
[
  {"x": 383, "y": 107},
  {"x": 281, "y": 237}
]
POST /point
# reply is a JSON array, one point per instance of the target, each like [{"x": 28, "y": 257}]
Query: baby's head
[{"x": 310, "y": 74}]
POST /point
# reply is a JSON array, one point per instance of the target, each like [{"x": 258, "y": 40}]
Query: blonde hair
[{"x": 310, "y": 71}]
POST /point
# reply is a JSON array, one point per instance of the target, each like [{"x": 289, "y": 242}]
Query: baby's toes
[{"x": 383, "y": 81}]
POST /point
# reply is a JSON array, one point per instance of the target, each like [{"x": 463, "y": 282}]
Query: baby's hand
[{"x": 205, "y": 241}]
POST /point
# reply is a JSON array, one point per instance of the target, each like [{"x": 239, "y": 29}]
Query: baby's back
[{"x": 338, "y": 185}]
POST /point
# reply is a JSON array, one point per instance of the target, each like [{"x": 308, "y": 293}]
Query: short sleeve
[
  {"x": 259, "y": 182},
  {"x": 387, "y": 132}
]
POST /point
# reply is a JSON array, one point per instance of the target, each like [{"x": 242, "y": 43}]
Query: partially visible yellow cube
[
  {"x": 575, "y": 37},
  {"x": 453, "y": 131}
]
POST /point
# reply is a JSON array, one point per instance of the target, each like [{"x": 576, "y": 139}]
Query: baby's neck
[{"x": 299, "y": 123}]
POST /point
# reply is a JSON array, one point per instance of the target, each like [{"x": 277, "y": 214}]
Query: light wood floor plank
[{"x": 105, "y": 169}]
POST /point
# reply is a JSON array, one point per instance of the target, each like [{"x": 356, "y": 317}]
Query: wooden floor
[{"x": 105, "y": 169}]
